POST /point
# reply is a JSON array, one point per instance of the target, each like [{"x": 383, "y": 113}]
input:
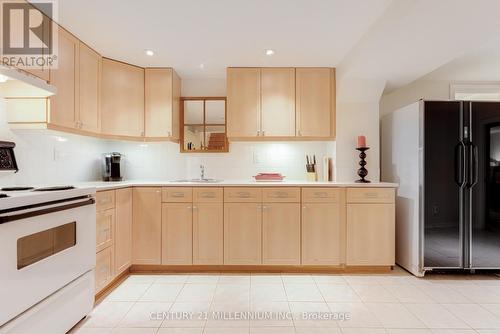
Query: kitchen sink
[{"x": 199, "y": 180}]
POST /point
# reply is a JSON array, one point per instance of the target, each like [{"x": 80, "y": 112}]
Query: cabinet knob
[
  {"x": 264, "y": 208},
  {"x": 304, "y": 207},
  {"x": 195, "y": 208},
  {"x": 258, "y": 133},
  {"x": 263, "y": 132}
]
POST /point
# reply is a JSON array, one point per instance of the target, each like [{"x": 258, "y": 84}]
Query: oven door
[{"x": 43, "y": 248}]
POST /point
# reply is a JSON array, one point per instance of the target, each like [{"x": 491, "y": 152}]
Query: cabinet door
[
  {"x": 122, "y": 99},
  {"x": 103, "y": 269},
  {"x": 243, "y": 102},
  {"x": 314, "y": 102},
  {"x": 208, "y": 230},
  {"x": 105, "y": 226},
  {"x": 177, "y": 233},
  {"x": 370, "y": 234},
  {"x": 123, "y": 230},
  {"x": 281, "y": 233},
  {"x": 242, "y": 233},
  {"x": 321, "y": 234},
  {"x": 63, "y": 105},
  {"x": 278, "y": 101},
  {"x": 146, "y": 225},
  {"x": 158, "y": 102},
  {"x": 90, "y": 77}
]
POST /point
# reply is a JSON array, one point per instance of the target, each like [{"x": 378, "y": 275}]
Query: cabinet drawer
[
  {"x": 177, "y": 194},
  {"x": 207, "y": 194},
  {"x": 105, "y": 200},
  {"x": 281, "y": 195},
  {"x": 105, "y": 221},
  {"x": 320, "y": 195},
  {"x": 242, "y": 194},
  {"x": 370, "y": 195},
  {"x": 103, "y": 268}
]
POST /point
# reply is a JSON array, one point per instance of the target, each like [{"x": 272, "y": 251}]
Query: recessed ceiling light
[
  {"x": 269, "y": 52},
  {"x": 3, "y": 78},
  {"x": 149, "y": 52},
  {"x": 202, "y": 66}
]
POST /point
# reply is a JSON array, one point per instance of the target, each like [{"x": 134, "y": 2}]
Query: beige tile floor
[{"x": 394, "y": 303}]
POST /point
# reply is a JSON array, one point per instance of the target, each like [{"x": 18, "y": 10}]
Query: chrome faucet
[{"x": 202, "y": 172}]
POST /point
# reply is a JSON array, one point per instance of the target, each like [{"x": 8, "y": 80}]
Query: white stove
[
  {"x": 48, "y": 256},
  {"x": 36, "y": 195}
]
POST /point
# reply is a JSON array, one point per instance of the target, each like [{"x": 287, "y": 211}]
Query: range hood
[{"x": 17, "y": 83}]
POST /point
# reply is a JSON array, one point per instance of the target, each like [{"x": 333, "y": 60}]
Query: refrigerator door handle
[
  {"x": 460, "y": 164},
  {"x": 475, "y": 165}
]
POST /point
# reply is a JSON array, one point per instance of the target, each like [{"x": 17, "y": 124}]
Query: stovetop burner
[
  {"x": 16, "y": 188},
  {"x": 3, "y": 195},
  {"x": 57, "y": 188}
]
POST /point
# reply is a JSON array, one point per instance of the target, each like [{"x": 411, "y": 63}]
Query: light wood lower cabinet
[
  {"x": 281, "y": 233},
  {"x": 146, "y": 225},
  {"x": 370, "y": 234},
  {"x": 105, "y": 226},
  {"x": 208, "y": 231},
  {"x": 177, "y": 233},
  {"x": 242, "y": 233},
  {"x": 104, "y": 268},
  {"x": 321, "y": 234},
  {"x": 123, "y": 230}
]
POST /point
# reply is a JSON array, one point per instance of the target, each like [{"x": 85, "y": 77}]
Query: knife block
[{"x": 312, "y": 176}]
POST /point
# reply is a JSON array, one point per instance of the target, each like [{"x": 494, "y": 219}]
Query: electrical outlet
[{"x": 435, "y": 210}]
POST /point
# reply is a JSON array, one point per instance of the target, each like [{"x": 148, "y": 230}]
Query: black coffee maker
[{"x": 112, "y": 169}]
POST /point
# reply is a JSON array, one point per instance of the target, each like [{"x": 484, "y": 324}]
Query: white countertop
[{"x": 100, "y": 186}]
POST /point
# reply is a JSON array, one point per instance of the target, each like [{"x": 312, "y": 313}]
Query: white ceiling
[{"x": 221, "y": 33}]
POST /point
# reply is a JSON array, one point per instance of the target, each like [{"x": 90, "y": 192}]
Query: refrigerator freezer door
[
  {"x": 444, "y": 182},
  {"x": 484, "y": 185}
]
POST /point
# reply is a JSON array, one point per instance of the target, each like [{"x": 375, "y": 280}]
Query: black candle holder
[{"x": 362, "y": 172}]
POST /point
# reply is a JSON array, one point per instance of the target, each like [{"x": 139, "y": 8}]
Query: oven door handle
[{"x": 46, "y": 208}]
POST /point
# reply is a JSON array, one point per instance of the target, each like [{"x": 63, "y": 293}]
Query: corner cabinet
[
  {"x": 281, "y": 103},
  {"x": 122, "y": 99}
]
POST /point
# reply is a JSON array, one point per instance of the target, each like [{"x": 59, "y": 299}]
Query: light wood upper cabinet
[
  {"x": 370, "y": 234},
  {"x": 242, "y": 233},
  {"x": 281, "y": 233},
  {"x": 146, "y": 225},
  {"x": 89, "y": 89},
  {"x": 64, "y": 105},
  {"x": 208, "y": 231},
  {"x": 122, "y": 99},
  {"x": 243, "y": 102},
  {"x": 162, "y": 94},
  {"x": 123, "y": 230},
  {"x": 294, "y": 103},
  {"x": 177, "y": 233},
  {"x": 315, "y": 102},
  {"x": 278, "y": 102}
]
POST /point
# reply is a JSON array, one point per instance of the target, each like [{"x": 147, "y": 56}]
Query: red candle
[{"x": 361, "y": 141}]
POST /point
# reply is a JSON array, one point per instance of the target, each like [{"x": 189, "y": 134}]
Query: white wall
[{"x": 419, "y": 89}]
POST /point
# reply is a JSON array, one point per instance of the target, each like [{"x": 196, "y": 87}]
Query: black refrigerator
[{"x": 461, "y": 185}]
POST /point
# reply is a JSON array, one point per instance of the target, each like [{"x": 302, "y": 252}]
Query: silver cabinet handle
[
  {"x": 207, "y": 195},
  {"x": 105, "y": 200},
  {"x": 371, "y": 195},
  {"x": 263, "y": 132},
  {"x": 189, "y": 208},
  {"x": 177, "y": 194},
  {"x": 280, "y": 194},
  {"x": 258, "y": 133},
  {"x": 304, "y": 207},
  {"x": 299, "y": 133},
  {"x": 195, "y": 208},
  {"x": 321, "y": 194},
  {"x": 264, "y": 207},
  {"x": 243, "y": 194}
]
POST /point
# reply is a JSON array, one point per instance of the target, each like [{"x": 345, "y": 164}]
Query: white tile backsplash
[{"x": 49, "y": 157}]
